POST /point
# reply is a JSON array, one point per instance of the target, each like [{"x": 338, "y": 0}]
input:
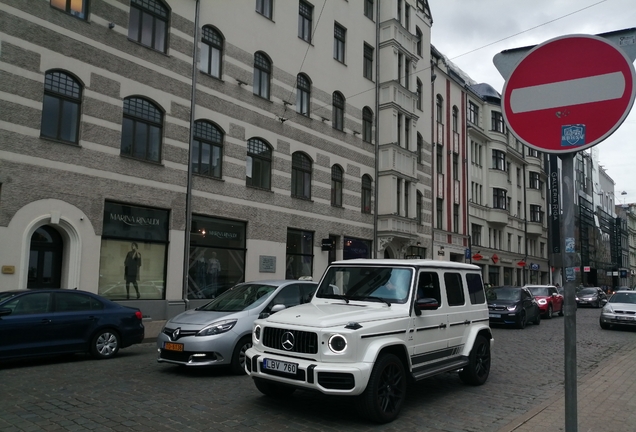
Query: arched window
[
  {"x": 259, "y": 164},
  {"x": 336, "y": 185},
  {"x": 262, "y": 74},
  {"x": 455, "y": 119},
  {"x": 439, "y": 112},
  {"x": 418, "y": 36},
  {"x": 61, "y": 107},
  {"x": 148, "y": 23},
  {"x": 211, "y": 51},
  {"x": 338, "y": 110},
  {"x": 366, "y": 193},
  {"x": 207, "y": 149},
  {"x": 367, "y": 124},
  {"x": 303, "y": 94},
  {"x": 141, "y": 129},
  {"x": 301, "y": 176}
]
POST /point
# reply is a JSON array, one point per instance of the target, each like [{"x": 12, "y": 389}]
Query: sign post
[{"x": 562, "y": 96}]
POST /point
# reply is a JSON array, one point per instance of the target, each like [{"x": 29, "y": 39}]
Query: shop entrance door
[{"x": 45, "y": 258}]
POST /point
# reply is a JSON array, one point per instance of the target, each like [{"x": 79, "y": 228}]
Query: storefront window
[
  {"x": 356, "y": 248},
  {"x": 300, "y": 254},
  {"x": 217, "y": 256},
  {"x": 133, "y": 253},
  {"x": 493, "y": 275}
]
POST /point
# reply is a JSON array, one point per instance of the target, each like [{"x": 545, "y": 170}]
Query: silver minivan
[{"x": 220, "y": 332}]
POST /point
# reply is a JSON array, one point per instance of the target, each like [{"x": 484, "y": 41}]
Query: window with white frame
[
  {"x": 499, "y": 198},
  {"x": 498, "y": 160}
]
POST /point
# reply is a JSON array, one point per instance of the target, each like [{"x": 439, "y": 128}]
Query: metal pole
[{"x": 569, "y": 286}]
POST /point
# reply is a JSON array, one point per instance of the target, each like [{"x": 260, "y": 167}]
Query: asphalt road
[{"x": 133, "y": 391}]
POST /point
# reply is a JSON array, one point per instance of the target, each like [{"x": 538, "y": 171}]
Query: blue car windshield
[{"x": 240, "y": 297}]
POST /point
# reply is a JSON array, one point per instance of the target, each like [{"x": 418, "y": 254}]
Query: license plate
[
  {"x": 280, "y": 366},
  {"x": 494, "y": 315},
  {"x": 172, "y": 346},
  {"x": 625, "y": 318}
]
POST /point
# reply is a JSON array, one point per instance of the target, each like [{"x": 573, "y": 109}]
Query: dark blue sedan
[{"x": 56, "y": 321}]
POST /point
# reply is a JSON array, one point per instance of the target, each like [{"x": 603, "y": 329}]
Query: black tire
[
  {"x": 561, "y": 311},
  {"x": 238, "y": 356},
  {"x": 548, "y": 315},
  {"x": 272, "y": 389},
  {"x": 521, "y": 322},
  {"x": 384, "y": 396},
  {"x": 604, "y": 326},
  {"x": 478, "y": 369},
  {"x": 105, "y": 344},
  {"x": 537, "y": 319}
]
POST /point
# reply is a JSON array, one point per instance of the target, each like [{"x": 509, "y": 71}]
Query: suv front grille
[{"x": 303, "y": 342}]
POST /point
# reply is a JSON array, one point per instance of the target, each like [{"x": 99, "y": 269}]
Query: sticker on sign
[{"x": 569, "y": 93}]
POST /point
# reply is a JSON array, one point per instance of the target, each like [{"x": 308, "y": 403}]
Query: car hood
[
  {"x": 623, "y": 306},
  {"x": 502, "y": 302},
  {"x": 195, "y": 317},
  {"x": 336, "y": 314}
]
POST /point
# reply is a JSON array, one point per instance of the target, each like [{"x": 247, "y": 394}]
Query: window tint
[
  {"x": 148, "y": 23},
  {"x": 454, "y": 289},
  {"x": 73, "y": 302},
  {"x": 428, "y": 286},
  {"x": 141, "y": 129},
  {"x": 61, "y": 107},
  {"x": 34, "y": 303},
  {"x": 475, "y": 288}
]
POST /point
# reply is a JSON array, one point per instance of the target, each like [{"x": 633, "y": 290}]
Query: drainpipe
[
  {"x": 377, "y": 133},
  {"x": 188, "y": 209},
  {"x": 525, "y": 225}
]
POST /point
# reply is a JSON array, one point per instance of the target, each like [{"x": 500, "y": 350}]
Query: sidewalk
[{"x": 606, "y": 400}]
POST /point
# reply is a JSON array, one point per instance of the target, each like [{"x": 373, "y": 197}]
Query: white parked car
[
  {"x": 619, "y": 310},
  {"x": 371, "y": 326}
]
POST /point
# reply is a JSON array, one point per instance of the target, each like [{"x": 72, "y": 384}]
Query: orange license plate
[{"x": 172, "y": 346}]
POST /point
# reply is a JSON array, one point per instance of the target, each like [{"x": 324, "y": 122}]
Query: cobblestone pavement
[{"x": 133, "y": 391}]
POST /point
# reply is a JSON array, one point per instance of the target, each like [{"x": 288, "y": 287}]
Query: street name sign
[{"x": 569, "y": 93}]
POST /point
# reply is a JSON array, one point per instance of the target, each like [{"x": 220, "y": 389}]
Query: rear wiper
[
  {"x": 336, "y": 296},
  {"x": 374, "y": 298}
]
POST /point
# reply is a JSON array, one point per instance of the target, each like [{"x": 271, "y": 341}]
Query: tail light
[{"x": 139, "y": 315}]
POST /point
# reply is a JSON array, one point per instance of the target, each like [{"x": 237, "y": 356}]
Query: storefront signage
[
  {"x": 8, "y": 269},
  {"x": 586, "y": 269},
  {"x": 495, "y": 258},
  {"x": 534, "y": 266},
  {"x": 555, "y": 209},
  {"x": 138, "y": 223},
  {"x": 328, "y": 244}
]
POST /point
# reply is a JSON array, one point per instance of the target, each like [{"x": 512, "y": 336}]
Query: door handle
[{"x": 46, "y": 321}]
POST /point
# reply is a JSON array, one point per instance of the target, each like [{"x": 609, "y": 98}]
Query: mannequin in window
[{"x": 132, "y": 263}]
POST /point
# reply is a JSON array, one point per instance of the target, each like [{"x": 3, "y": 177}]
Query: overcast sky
[{"x": 471, "y": 32}]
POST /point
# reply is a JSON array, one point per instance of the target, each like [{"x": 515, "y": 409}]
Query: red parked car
[{"x": 549, "y": 299}]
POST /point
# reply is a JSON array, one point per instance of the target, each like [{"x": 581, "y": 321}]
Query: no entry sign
[{"x": 569, "y": 93}]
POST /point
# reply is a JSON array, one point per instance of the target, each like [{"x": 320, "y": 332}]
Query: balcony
[
  {"x": 397, "y": 226},
  {"x": 497, "y": 216},
  {"x": 392, "y": 30},
  {"x": 535, "y": 228},
  {"x": 393, "y": 93},
  {"x": 395, "y": 158}
]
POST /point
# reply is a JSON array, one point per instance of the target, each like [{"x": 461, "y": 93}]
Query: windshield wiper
[
  {"x": 336, "y": 296},
  {"x": 374, "y": 298}
]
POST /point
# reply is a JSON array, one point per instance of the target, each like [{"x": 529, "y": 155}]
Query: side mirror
[
  {"x": 5, "y": 311},
  {"x": 425, "y": 304},
  {"x": 277, "y": 308}
]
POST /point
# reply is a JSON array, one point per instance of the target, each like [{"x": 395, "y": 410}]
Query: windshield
[
  {"x": 240, "y": 297},
  {"x": 538, "y": 291},
  {"x": 503, "y": 293},
  {"x": 587, "y": 291},
  {"x": 386, "y": 284},
  {"x": 623, "y": 298}
]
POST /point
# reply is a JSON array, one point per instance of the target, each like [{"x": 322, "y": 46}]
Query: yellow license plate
[{"x": 173, "y": 346}]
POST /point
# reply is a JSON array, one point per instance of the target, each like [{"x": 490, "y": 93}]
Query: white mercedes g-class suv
[{"x": 372, "y": 326}]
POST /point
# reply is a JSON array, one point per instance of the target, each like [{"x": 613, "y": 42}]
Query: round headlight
[
  {"x": 257, "y": 333},
  {"x": 337, "y": 343},
  {"x": 542, "y": 301}
]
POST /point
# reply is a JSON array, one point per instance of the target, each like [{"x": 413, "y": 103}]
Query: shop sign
[
  {"x": 328, "y": 244},
  {"x": 534, "y": 266},
  {"x": 495, "y": 258},
  {"x": 586, "y": 269},
  {"x": 139, "y": 223},
  {"x": 267, "y": 264},
  {"x": 477, "y": 257}
]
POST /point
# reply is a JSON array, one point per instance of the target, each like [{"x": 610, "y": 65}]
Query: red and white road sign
[{"x": 569, "y": 93}]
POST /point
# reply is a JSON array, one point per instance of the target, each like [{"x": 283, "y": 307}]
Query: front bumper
[
  {"x": 503, "y": 317},
  {"x": 328, "y": 378},
  {"x": 196, "y": 350},
  {"x": 618, "y": 319}
]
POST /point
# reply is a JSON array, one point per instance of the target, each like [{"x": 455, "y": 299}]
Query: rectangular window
[
  {"x": 339, "y": 34},
  {"x": 518, "y": 177},
  {"x": 475, "y": 288},
  {"x": 499, "y": 198},
  {"x": 264, "y": 7},
  {"x": 407, "y": 133},
  {"x": 399, "y": 129},
  {"x": 439, "y": 157},
  {"x": 407, "y": 16},
  {"x": 456, "y": 218},
  {"x": 473, "y": 113},
  {"x": 367, "y": 67},
  {"x": 535, "y": 180},
  {"x": 536, "y": 214},
  {"x": 368, "y": 9},
  {"x": 455, "y": 167},
  {"x": 498, "y": 160},
  {"x": 399, "y": 11},
  {"x": 300, "y": 254},
  {"x": 475, "y": 232},
  {"x": 454, "y": 289},
  {"x": 440, "y": 214},
  {"x": 407, "y": 73},
  {"x": 497, "y": 122},
  {"x": 77, "y": 8},
  {"x": 305, "y": 13}
]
